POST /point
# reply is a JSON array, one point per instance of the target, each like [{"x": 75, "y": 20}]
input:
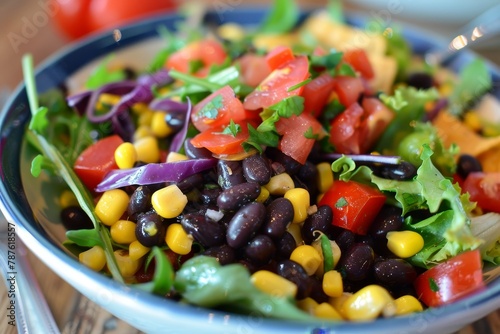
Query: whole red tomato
[{"x": 77, "y": 18}]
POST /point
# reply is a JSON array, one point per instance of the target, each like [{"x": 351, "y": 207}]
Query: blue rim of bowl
[{"x": 64, "y": 63}]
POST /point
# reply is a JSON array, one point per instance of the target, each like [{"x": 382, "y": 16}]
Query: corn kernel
[
  {"x": 169, "y": 202},
  {"x": 159, "y": 125},
  {"x": 280, "y": 184},
  {"x": 332, "y": 284},
  {"x": 273, "y": 284},
  {"x": 111, "y": 206},
  {"x": 307, "y": 305},
  {"x": 404, "y": 243},
  {"x": 142, "y": 131},
  {"x": 94, "y": 258},
  {"x": 123, "y": 232},
  {"x": 263, "y": 196},
  {"x": 407, "y": 304},
  {"x": 231, "y": 32},
  {"x": 295, "y": 231},
  {"x": 107, "y": 99},
  {"x": 68, "y": 198},
  {"x": 145, "y": 118},
  {"x": 300, "y": 199},
  {"x": 174, "y": 156},
  {"x": 472, "y": 120},
  {"x": 125, "y": 155},
  {"x": 136, "y": 250},
  {"x": 147, "y": 149},
  {"x": 307, "y": 257},
  {"x": 325, "y": 176},
  {"x": 139, "y": 107},
  {"x": 366, "y": 304},
  {"x": 327, "y": 311},
  {"x": 178, "y": 240},
  {"x": 337, "y": 302},
  {"x": 127, "y": 266}
]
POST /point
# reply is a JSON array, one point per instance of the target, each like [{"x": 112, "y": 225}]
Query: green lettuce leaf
[{"x": 487, "y": 227}]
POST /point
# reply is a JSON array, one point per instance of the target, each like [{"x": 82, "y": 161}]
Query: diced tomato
[
  {"x": 220, "y": 143},
  {"x": 97, "y": 160},
  {"x": 316, "y": 94},
  {"x": 354, "y": 205},
  {"x": 377, "y": 117},
  {"x": 275, "y": 86},
  {"x": 356, "y": 130},
  {"x": 345, "y": 130},
  {"x": 298, "y": 135},
  {"x": 484, "y": 188},
  {"x": 279, "y": 56},
  {"x": 208, "y": 52},
  {"x": 254, "y": 69},
  {"x": 218, "y": 109},
  {"x": 358, "y": 59},
  {"x": 348, "y": 89},
  {"x": 451, "y": 280}
]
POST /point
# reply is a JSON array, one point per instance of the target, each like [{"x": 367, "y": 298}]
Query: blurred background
[{"x": 42, "y": 27}]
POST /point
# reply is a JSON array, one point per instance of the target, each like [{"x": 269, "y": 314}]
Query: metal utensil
[{"x": 481, "y": 28}]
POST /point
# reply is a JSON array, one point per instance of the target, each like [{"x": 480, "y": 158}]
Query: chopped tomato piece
[
  {"x": 208, "y": 52},
  {"x": 218, "y": 109},
  {"x": 348, "y": 89},
  {"x": 316, "y": 94},
  {"x": 254, "y": 69},
  {"x": 354, "y": 205},
  {"x": 451, "y": 280},
  {"x": 275, "y": 86},
  {"x": 97, "y": 160},
  {"x": 358, "y": 59},
  {"x": 279, "y": 56},
  {"x": 484, "y": 188},
  {"x": 218, "y": 142},
  {"x": 299, "y": 134},
  {"x": 345, "y": 131},
  {"x": 377, "y": 117}
]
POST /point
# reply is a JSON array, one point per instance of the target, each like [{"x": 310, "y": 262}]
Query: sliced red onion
[
  {"x": 123, "y": 126},
  {"x": 168, "y": 105},
  {"x": 180, "y": 136},
  {"x": 154, "y": 173},
  {"x": 440, "y": 105},
  {"x": 159, "y": 78},
  {"x": 79, "y": 101}
]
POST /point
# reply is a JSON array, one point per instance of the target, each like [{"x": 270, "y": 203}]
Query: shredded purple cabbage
[
  {"x": 168, "y": 105},
  {"x": 79, "y": 101},
  {"x": 159, "y": 78},
  {"x": 154, "y": 173},
  {"x": 180, "y": 136},
  {"x": 440, "y": 105}
]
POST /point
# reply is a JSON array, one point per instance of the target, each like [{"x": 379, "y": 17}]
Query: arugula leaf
[
  {"x": 102, "y": 75},
  {"x": 474, "y": 82},
  {"x": 282, "y": 17},
  {"x": 163, "y": 277},
  {"x": 85, "y": 238},
  {"x": 329, "y": 61},
  {"x": 345, "y": 70}
]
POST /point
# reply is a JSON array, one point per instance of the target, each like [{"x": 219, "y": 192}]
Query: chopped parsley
[
  {"x": 232, "y": 129},
  {"x": 309, "y": 134},
  {"x": 211, "y": 109},
  {"x": 300, "y": 84},
  {"x": 341, "y": 202},
  {"x": 433, "y": 285}
]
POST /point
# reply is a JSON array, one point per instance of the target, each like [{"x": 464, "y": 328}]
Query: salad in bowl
[{"x": 305, "y": 170}]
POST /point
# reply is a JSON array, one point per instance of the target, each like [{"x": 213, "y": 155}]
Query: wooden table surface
[{"x": 73, "y": 312}]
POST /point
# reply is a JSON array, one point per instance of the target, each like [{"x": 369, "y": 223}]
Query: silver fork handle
[{"x": 32, "y": 314}]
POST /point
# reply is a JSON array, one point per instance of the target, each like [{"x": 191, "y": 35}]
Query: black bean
[
  {"x": 205, "y": 231},
  {"x": 74, "y": 218},
  {"x": 321, "y": 221},
  {"x": 290, "y": 165},
  {"x": 238, "y": 195},
  {"x": 468, "y": 164},
  {"x": 223, "y": 253},
  {"x": 191, "y": 182},
  {"x": 308, "y": 175},
  {"x": 420, "y": 80},
  {"x": 388, "y": 219},
  {"x": 294, "y": 272},
  {"x": 195, "y": 152},
  {"x": 209, "y": 195},
  {"x": 317, "y": 293},
  {"x": 256, "y": 168},
  {"x": 229, "y": 173},
  {"x": 400, "y": 172},
  {"x": 260, "y": 249},
  {"x": 245, "y": 223},
  {"x": 285, "y": 246},
  {"x": 355, "y": 264},
  {"x": 394, "y": 272},
  {"x": 279, "y": 215},
  {"x": 140, "y": 201},
  {"x": 345, "y": 239},
  {"x": 150, "y": 229},
  {"x": 175, "y": 120}
]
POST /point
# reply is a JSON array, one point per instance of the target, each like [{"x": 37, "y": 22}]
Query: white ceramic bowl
[{"x": 24, "y": 198}]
